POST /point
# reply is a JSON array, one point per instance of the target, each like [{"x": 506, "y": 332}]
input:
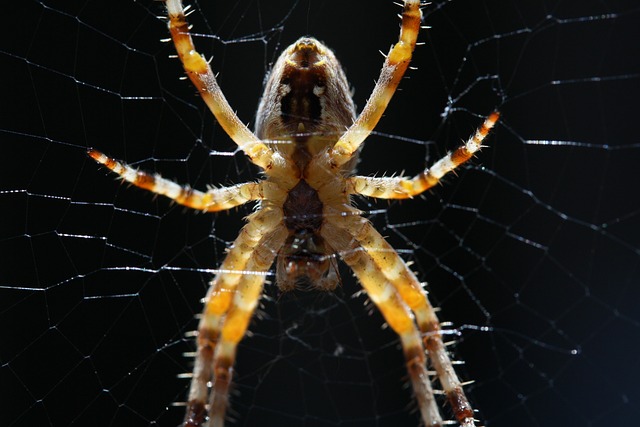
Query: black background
[{"x": 539, "y": 244}]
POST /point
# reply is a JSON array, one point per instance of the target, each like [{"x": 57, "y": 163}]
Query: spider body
[
  {"x": 306, "y": 105},
  {"x": 307, "y": 141}
]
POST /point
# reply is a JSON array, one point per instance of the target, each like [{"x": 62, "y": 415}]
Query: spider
[{"x": 307, "y": 140}]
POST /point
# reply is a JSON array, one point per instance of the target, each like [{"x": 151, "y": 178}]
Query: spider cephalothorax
[{"x": 306, "y": 142}]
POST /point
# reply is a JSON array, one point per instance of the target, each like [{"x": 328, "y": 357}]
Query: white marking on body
[
  {"x": 472, "y": 146},
  {"x": 440, "y": 168},
  {"x": 169, "y": 188},
  {"x": 395, "y": 270},
  {"x": 128, "y": 173}
]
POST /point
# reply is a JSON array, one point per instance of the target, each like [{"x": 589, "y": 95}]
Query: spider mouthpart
[{"x": 306, "y": 52}]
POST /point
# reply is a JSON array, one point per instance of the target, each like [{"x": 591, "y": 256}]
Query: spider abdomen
[{"x": 306, "y": 99}]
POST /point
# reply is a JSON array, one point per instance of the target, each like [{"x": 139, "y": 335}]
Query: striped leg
[
  {"x": 217, "y": 303},
  {"x": 395, "y": 270},
  {"x": 393, "y": 69},
  {"x": 203, "y": 79},
  {"x": 402, "y": 188},
  {"x": 216, "y": 199},
  {"x": 236, "y": 322},
  {"x": 396, "y": 313}
]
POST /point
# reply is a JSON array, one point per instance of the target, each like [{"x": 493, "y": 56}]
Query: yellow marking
[
  {"x": 401, "y": 52},
  {"x": 236, "y": 325},
  {"x": 194, "y": 62},
  {"x": 219, "y": 302},
  {"x": 396, "y": 315},
  {"x": 407, "y": 186}
]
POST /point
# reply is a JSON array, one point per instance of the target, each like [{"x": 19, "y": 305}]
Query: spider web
[{"x": 532, "y": 251}]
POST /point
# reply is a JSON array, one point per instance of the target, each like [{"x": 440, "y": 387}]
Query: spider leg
[
  {"x": 219, "y": 300},
  {"x": 199, "y": 71},
  {"x": 396, "y": 313},
  {"x": 390, "y": 266},
  {"x": 402, "y": 188},
  {"x": 393, "y": 69},
  {"x": 236, "y": 322},
  {"x": 216, "y": 199}
]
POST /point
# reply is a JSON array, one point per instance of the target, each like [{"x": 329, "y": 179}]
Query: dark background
[{"x": 532, "y": 251}]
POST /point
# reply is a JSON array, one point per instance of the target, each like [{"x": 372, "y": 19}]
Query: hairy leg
[
  {"x": 403, "y": 188},
  {"x": 218, "y": 302},
  {"x": 396, "y": 313},
  {"x": 393, "y": 69},
  {"x": 390, "y": 267},
  {"x": 215, "y": 199},
  {"x": 236, "y": 322},
  {"x": 199, "y": 71}
]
